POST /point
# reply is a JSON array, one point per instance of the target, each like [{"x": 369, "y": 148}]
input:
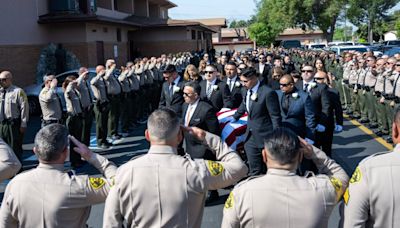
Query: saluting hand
[
  {"x": 81, "y": 148},
  {"x": 306, "y": 148},
  {"x": 196, "y": 132}
]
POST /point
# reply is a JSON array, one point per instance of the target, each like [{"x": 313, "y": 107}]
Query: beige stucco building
[{"x": 93, "y": 30}]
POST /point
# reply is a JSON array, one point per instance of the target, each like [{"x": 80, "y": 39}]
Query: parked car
[
  {"x": 291, "y": 44},
  {"x": 33, "y": 91},
  {"x": 316, "y": 46},
  {"x": 392, "y": 51},
  {"x": 340, "y": 49}
]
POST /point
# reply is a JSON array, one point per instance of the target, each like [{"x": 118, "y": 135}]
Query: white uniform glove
[
  {"x": 320, "y": 128},
  {"x": 309, "y": 141},
  {"x": 338, "y": 128}
]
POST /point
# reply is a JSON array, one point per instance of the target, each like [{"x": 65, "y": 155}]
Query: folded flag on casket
[{"x": 232, "y": 133}]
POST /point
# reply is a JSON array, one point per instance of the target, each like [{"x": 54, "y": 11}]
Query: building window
[
  {"x": 118, "y": 35},
  {"x": 193, "y": 34}
]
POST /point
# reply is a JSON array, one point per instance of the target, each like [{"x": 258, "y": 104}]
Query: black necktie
[
  {"x": 285, "y": 104},
  {"x": 3, "y": 102},
  {"x": 306, "y": 87},
  {"x": 250, "y": 100}
]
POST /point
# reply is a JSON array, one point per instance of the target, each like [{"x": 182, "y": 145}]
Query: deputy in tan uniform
[
  {"x": 347, "y": 66},
  {"x": 126, "y": 100},
  {"x": 114, "y": 95},
  {"x": 87, "y": 104},
  {"x": 14, "y": 113},
  {"x": 74, "y": 119},
  {"x": 372, "y": 198},
  {"x": 163, "y": 189},
  {"x": 49, "y": 197},
  {"x": 281, "y": 198},
  {"x": 382, "y": 74},
  {"x": 9, "y": 163},
  {"x": 50, "y": 102},
  {"x": 102, "y": 106},
  {"x": 369, "y": 85}
]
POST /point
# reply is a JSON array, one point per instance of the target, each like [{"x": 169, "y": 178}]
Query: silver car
[{"x": 33, "y": 91}]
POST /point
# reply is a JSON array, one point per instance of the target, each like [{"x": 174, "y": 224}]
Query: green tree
[
  {"x": 343, "y": 33},
  {"x": 262, "y": 33},
  {"x": 369, "y": 12},
  {"x": 282, "y": 14}
]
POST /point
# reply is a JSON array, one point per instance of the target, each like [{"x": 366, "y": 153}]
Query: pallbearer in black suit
[
  {"x": 214, "y": 91},
  {"x": 263, "y": 69},
  {"x": 297, "y": 109},
  {"x": 232, "y": 80},
  {"x": 262, "y": 105},
  {"x": 197, "y": 113},
  {"x": 172, "y": 90},
  {"x": 322, "y": 106},
  {"x": 336, "y": 119}
]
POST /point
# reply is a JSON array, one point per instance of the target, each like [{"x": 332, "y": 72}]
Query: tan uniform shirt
[
  {"x": 163, "y": 189},
  {"x": 16, "y": 105},
  {"x": 84, "y": 91},
  {"x": 380, "y": 81},
  {"x": 283, "y": 199},
  {"x": 389, "y": 81},
  {"x": 73, "y": 100},
  {"x": 9, "y": 163},
  {"x": 361, "y": 76},
  {"x": 98, "y": 85},
  {"x": 373, "y": 199},
  {"x": 353, "y": 77},
  {"x": 370, "y": 79},
  {"x": 396, "y": 84},
  {"x": 49, "y": 197},
  {"x": 50, "y": 104},
  {"x": 346, "y": 70}
]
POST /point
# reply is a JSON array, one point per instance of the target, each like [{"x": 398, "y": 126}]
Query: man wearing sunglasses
[
  {"x": 172, "y": 90},
  {"x": 297, "y": 109},
  {"x": 320, "y": 98},
  {"x": 14, "y": 113},
  {"x": 263, "y": 68},
  {"x": 214, "y": 91}
]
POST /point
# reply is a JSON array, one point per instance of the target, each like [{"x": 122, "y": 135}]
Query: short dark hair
[
  {"x": 231, "y": 64},
  {"x": 195, "y": 85},
  {"x": 249, "y": 72},
  {"x": 282, "y": 145},
  {"x": 170, "y": 68}
]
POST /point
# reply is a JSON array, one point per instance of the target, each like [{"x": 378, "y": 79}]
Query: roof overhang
[{"x": 164, "y": 3}]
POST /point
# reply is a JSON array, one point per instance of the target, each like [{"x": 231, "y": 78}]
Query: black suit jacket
[
  {"x": 220, "y": 97},
  {"x": 264, "y": 76},
  {"x": 204, "y": 118},
  {"x": 264, "y": 115},
  {"x": 336, "y": 105},
  {"x": 175, "y": 101},
  {"x": 322, "y": 105},
  {"x": 236, "y": 93}
]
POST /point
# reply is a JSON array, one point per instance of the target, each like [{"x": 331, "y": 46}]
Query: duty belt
[{"x": 9, "y": 121}]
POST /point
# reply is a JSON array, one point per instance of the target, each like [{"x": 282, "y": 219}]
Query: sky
[{"x": 229, "y": 9}]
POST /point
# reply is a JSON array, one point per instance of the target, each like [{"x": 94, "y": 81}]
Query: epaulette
[
  {"x": 374, "y": 155},
  {"x": 247, "y": 180},
  {"x": 71, "y": 173},
  {"x": 136, "y": 157}
]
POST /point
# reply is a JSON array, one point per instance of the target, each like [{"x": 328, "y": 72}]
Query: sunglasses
[
  {"x": 319, "y": 79},
  {"x": 308, "y": 71},
  {"x": 397, "y": 64},
  {"x": 284, "y": 85},
  {"x": 209, "y": 72},
  {"x": 3, "y": 79}
]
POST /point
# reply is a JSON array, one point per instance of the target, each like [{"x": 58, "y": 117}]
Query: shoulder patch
[
  {"x": 96, "y": 182},
  {"x": 215, "y": 168},
  {"x": 338, "y": 185},
  {"x": 230, "y": 201},
  {"x": 346, "y": 196},
  {"x": 357, "y": 175}
]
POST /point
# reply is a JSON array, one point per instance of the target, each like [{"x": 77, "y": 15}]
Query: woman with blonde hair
[
  {"x": 74, "y": 119},
  {"x": 191, "y": 74},
  {"x": 202, "y": 68}
]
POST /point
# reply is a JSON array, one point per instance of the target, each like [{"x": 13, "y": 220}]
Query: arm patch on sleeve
[
  {"x": 229, "y": 202},
  {"x": 356, "y": 177},
  {"x": 338, "y": 185},
  {"x": 96, "y": 182},
  {"x": 215, "y": 168}
]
